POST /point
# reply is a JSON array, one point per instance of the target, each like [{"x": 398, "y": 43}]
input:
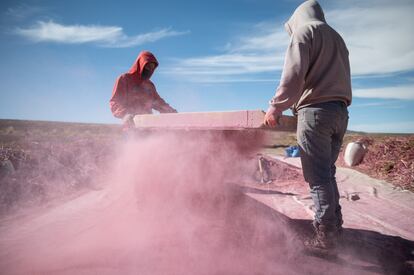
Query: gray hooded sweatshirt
[{"x": 316, "y": 65}]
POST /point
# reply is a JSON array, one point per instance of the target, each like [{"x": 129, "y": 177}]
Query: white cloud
[
  {"x": 267, "y": 37},
  {"x": 378, "y": 35},
  {"x": 397, "y": 92},
  {"x": 75, "y": 34},
  {"x": 262, "y": 52},
  {"x": 227, "y": 64},
  {"x": 106, "y": 36}
]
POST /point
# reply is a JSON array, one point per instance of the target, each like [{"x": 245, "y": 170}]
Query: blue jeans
[{"x": 321, "y": 128}]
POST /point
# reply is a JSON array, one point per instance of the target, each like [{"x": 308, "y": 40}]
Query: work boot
[{"x": 323, "y": 241}]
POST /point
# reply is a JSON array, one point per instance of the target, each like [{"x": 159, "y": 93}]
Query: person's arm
[
  {"x": 118, "y": 101},
  {"x": 160, "y": 105},
  {"x": 292, "y": 81}
]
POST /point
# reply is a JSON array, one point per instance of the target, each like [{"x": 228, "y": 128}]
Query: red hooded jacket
[{"x": 134, "y": 95}]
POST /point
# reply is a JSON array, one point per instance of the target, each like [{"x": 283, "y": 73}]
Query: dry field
[
  {"x": 40, "y": 161},
  {"x": 175, "y": 205},
  {"x": 390, "y": 157}
]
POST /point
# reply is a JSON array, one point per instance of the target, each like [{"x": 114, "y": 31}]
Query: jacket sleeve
[
  {"x": 118, "y": 101},
  {"x": 160, "y": 105},
  {"x": 293, "y": 76}
]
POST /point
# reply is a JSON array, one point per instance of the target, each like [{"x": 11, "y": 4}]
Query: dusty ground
[
  {"x": 376, "y": 233},
  {"x": 33, "y": 154},
  {"x": 51, "y": 161},
  {"x": 389, "y": 157}
]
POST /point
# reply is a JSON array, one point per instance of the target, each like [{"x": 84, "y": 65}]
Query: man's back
[
  {"x": 328, "y": 77},
  {"x": 316, "y": 68}
]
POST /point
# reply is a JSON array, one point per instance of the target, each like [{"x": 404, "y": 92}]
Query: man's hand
[
  {"x": 271, "y": 117},
  {"x": 128, "y": 120}
]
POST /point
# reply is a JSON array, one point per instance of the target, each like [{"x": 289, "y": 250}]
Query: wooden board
[{"x": 231, "y": 120}]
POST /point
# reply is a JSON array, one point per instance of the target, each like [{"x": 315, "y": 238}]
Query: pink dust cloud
[{"x": 170, "y": 205}]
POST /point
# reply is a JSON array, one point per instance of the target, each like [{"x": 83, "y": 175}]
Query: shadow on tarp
[
  {"x": 253, "y": 190},
  {"x": 275, "y": 146},
  {"x": 359, "y": 250}
]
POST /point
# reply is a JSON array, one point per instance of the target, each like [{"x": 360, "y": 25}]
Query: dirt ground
[
  {"x": 52, "y": 210},
  {"x": 390, "y": 157},
  {"x": 34, "y": 153}
]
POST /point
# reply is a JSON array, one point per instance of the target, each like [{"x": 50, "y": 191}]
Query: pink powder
[{"x": 171, "y": 205}]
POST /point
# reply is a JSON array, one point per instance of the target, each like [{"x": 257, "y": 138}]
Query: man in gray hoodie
[{"x": 316, "y": 84}]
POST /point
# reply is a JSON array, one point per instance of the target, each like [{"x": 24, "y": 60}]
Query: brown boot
[{"x": 323, "y": 241}]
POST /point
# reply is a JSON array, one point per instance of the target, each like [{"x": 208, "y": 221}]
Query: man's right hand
[{"x": 271, "y": 117}]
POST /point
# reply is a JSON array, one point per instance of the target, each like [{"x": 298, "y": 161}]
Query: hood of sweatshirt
[
  {"x": 137, "y": 68},
  {"x": 308, "y": 12}
]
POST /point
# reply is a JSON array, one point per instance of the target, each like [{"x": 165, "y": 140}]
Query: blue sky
[{"x": 59, "y": 59}]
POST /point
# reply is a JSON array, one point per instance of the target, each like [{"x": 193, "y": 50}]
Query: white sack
[{"x": 354, "y": 153}]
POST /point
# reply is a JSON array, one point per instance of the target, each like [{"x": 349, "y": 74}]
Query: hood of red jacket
[{"x": 143, "y": 58}]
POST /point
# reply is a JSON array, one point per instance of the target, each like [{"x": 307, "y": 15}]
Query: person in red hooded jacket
[{"x": 135, "y": 94}]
